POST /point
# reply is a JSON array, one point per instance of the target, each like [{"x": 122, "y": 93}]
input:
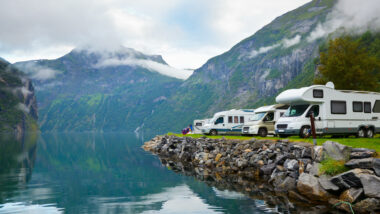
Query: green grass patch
[
  {"x": 370, "y": 143},
  {"x": 332, "y": 167}
]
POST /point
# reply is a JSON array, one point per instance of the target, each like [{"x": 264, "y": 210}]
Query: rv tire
[
  {"x": 213, "y": 132},
  {"x": 361, "y": 133},
  {"x": 305, "y": 132},
  {"x": 263, "y": 132},
  {"x": 369, "y": 133}
]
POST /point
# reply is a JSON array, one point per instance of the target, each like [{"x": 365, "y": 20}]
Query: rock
[
  {"x": 371, "y": 185},
  {"x": 326, "y": 184},
  {"x": 288, "y": 184},
  {"x": 218, "y": 156},
  {"x": 291, "y": 164},
  {"x": 318, "y": 152},
  {"x": 362, "y": 150},
  {"x": 339, "y": 205},
  {"x": 336, "y": 151},
  {"x": 307, "y": 152},
  {"x": 360, "y": 155},
  {"x": 349, "y": 179},
  {"x": 298, "y": 197},
  {"x": 280, "y": 159},
  {"x": 314, "y": 169},
  {"x": 267, "y": 169},
  {"x": 351, "y": 195},
  {"x": 365, "y": 163},
  {"x": 376, "y": 166},
  {"x": 368, "y": 205},
  {"x": 309, "y": 186}
]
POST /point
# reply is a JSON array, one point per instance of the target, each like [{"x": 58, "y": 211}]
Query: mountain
[
  {"x": 89, "y": 90},
  {"x": 18, "y": 108},
  {"x": 251, "y": 73}
]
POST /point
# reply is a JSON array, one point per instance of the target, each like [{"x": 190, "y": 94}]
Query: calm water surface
[{"x": 103, "y": 173}]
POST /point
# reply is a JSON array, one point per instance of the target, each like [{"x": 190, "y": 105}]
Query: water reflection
[{"x": 103, "y": 173}]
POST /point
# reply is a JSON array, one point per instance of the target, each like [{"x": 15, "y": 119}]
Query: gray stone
[
  {"x": 326, "y": 184},
  {"x": 368, "y": 205},
  {"x": 360, "y": 155},
  {"x": 351, "y": 195},
  {"x": 371, "y": 185},
  {"x": 318, "y": 152},
  {"x": 314, "y": 169},
  {"x": 280, "y": 159},
  {"x": 362, "y": 150},
  {"x": 289, "y": 183},
  {"x": 365, "y": 163},
  {"x": 267, "y": 169},
  {"x": 349, "y": 179},
  {"x": 307, "y": 152},
  {"x": 291, "y": 164},
  {"x": 309, "y": 186},
  {"x": 376, "y": 166},
  {"x": 336, "y": 151}
]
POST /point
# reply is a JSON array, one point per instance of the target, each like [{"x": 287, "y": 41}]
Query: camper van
[
  {"x": 227, "y": 122},
  {"x": 199, "y": 124},
  {"x": 262, "y": 123},
  {"x": 336, "y": 112}
]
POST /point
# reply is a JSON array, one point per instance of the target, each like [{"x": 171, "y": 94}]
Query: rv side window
[
  {"x": 357, "y": 106},
  {"x": 367, "y": 107},
  {"x": 241, "y": 119},
  {"x": 318, "y": 93},
  {"x": 376, "y": 107},
  {"x": 198, "y": 124},
  {"x": 338, "y": 107},
  {"x": 236, "y": 119},
  {"x": 229, "y": 119},
  {"x": 219, "y": 120}
]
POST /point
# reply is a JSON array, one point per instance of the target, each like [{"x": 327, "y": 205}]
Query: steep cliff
[{"x": 18, "y": 106}]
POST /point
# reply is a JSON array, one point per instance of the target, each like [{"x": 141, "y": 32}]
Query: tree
[{"x": 349, "y": 64}]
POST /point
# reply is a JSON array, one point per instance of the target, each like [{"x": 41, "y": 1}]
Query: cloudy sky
[{"x": 186, "y": 33}]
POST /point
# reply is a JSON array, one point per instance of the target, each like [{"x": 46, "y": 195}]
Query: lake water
[{"x": 104, "y": 173}]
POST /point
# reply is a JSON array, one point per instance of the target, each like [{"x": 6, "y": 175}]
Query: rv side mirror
[{"x": 319, "y": 118}]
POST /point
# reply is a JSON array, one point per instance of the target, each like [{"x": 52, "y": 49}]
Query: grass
[
  {"x": 333, "y": 167},
  {"x": 370, "y": 143}
]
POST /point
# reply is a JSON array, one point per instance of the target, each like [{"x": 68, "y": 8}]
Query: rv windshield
[
  {"x": 296, "y": 110},
  {"x": 257, "y": 116}
]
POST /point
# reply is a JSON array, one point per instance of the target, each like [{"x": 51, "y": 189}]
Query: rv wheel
[
  {"x": 213, "y": 132},
  {"x": 305, "y": 132},
  {"x": 263, "y": 132},
  {"x": 361, "y": 133},
  {"x": 370, "y": 133}
]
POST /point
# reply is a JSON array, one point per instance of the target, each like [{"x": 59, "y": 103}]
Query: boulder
[
  {"x": 349, "y": 179},
  {"x": 267, "y": 169},
  {"x": 376, "y": 166},
  {"x": 365, "y": 163},
  {"x": 307, "y": 152},
  {"x": 351, "y": 195},
  {"x": 336, "y": 151},
  {"x": 359, "y": 155},
  {"x": 317, "y": 155},
  {"x": 314, "y": 169},
  {"x": 371, "y": 185},
  {"x": 289, "y": 183},
  {"x": 326, "y": 184},
  {"x": 309, "y": 186},
  {"x": 368, "y": 205},
  {"x": 291, "y": 164},
  {"x": 294, "y": 195}
]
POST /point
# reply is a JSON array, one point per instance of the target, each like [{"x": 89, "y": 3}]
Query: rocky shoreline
[{"x": 289, "y": 170}]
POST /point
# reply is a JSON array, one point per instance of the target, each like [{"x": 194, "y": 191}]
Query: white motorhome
[
  {"x": 199, "y": 125},
  {"x": 336, "y": 112},
  {"x": 227, "y": 122},
  {"x": 262, "y": 123}
]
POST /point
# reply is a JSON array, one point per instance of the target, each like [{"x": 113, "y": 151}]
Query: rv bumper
[
  {"x": 287, "y": 131},
  {"x": 250, "y": 130}
]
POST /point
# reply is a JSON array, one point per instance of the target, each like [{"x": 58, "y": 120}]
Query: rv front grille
[
  {"x": 245, "y": 129},
  {"x": 282, "y": 126}
]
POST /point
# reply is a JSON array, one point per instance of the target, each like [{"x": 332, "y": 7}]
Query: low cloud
[
  {"x": 351, "y": 15},
  {"x": 286, "y": 43},
  {"x": 39, "y": 72},
  {"x": 148, "y": 64},
  {"x": 23, "y": 108}
]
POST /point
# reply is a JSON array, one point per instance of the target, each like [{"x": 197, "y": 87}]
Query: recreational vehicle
[
  {"x": 336, "y": 112},
  {"x": 199, "y": 124},
  {"x": 262, "y": 123},
  {"x": 227, "y": 122}
]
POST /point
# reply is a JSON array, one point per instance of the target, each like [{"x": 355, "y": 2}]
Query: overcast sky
[{"x": 185, "y": 32}]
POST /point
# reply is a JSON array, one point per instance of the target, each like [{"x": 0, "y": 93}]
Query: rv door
[{"x": 318, "y": 120}]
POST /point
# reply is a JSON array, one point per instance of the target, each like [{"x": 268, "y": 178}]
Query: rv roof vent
[{"x": 330, "y": 85}]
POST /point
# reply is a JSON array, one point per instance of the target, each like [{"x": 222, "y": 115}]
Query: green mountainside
[
  {"x": 18, "y": 109},
  {"x": 81, "y": 94},
  {"x": 251, "y": 73}
]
